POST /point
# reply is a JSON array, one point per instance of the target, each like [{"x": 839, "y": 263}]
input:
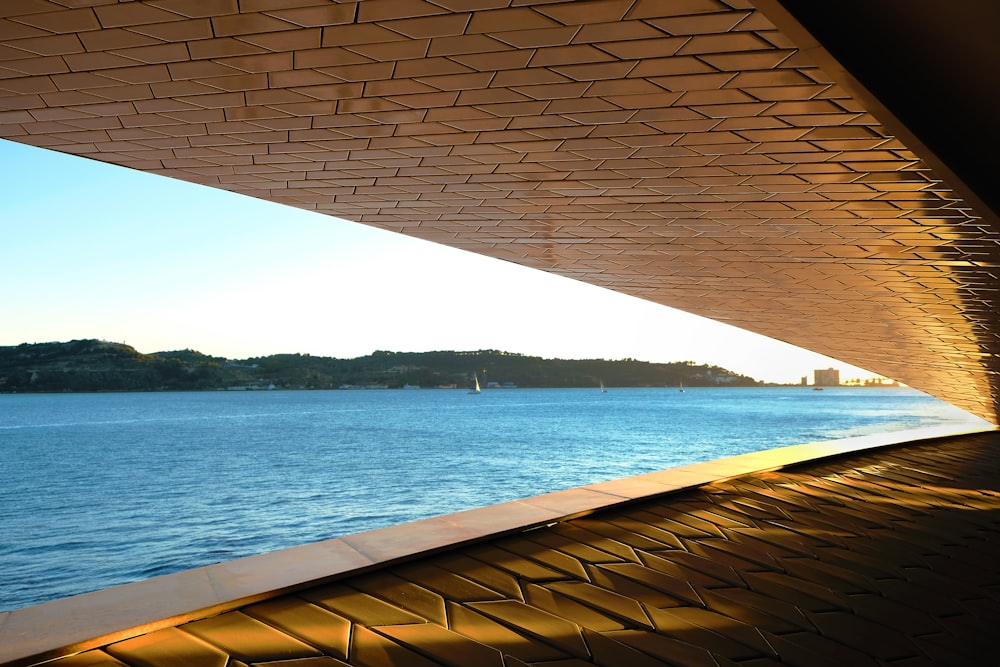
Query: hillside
[{"x": 93, "y": 365}]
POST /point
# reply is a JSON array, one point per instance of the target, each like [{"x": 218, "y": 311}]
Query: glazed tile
[
  {"x": 664, "y": 648},
  {"x": 323, "y": 661},
  {"x": 447, "y": 584},
  {"x": 677, "y": 626},
  {"x": 622, "y": 607},
  {"x": 359, "y": 607},
  {"x": 607, "y": 548},
  {"x": 619, "y": 532},
  {"x": 550, "y": 558},
  {"x": 543, "y": 626},
  {"x": 546, "y": 599},
  {"x": 809, "y": 650},
  {"x": 403, "y": 594},
  {"x": 607, "y": 650},
  {"x": 169, "y": 647},
  {"x": 678, "y": 588},
  {"x": 653, "y": 531},
  {"x": 697, "y": 563},
  {"x": 581, "y": 551},
  {"x": 484, "y": 630},
  {"x": 742, "y": 633},
  {"x": 88, "y": 659},
  {"x": 902, "y": 618},
  {"x": 372, "y": 649},
  {"x": 483, "y": 573},
  {"x": 313, "y": 624},
  {"x": 848, "y": 629},
  {"x": 522, "y": 568},
  {"x": 623, "y": 586},
  {"x": 442, "y": 645},
  {"x": 772, "y": 615},
  {"x": 248, "y": 639},
  {"x": 697, "y": 579},
  {"x": 805, "y": 594}
]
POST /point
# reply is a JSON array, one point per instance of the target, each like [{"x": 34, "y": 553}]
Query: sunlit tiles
[{"x": 686, "y": 153}]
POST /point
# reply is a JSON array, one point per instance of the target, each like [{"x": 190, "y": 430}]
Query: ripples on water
[{"x": 102, "y": 489}]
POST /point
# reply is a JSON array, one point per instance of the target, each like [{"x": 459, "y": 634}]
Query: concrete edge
[{"x": 113, "y": 614}]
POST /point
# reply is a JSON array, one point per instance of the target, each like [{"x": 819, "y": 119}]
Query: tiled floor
[{"x": 885, "y": 558}]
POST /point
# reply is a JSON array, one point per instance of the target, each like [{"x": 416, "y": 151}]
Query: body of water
[{"x": 103, "y": 489}]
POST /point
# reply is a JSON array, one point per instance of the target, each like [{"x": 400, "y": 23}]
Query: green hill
[{"x": 93, "y": 365}]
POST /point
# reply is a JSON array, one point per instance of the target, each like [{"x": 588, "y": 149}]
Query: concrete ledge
[{"x": 77, "y": 623}]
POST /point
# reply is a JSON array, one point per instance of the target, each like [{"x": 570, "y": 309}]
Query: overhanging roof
[{"x": 688, "y": 152}]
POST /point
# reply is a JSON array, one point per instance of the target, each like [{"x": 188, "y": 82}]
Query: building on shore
[{"x": 829, "y": 377}]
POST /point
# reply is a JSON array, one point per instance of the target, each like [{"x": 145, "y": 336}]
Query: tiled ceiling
[{"x": 682, "y": 151}]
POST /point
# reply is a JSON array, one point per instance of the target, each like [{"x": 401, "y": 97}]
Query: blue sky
[{"x": 95, "y": 251}]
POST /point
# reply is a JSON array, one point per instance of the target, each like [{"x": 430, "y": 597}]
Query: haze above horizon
[{"x": 97, "y": 251}]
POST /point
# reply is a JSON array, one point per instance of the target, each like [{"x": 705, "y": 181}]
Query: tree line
[{"x": 94, "y": 365}]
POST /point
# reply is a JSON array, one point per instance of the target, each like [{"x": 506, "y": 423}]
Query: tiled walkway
[{"x": 887, "y": 558}]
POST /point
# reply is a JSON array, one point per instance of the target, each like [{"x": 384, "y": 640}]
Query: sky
[{"x": 90, "y": 250}]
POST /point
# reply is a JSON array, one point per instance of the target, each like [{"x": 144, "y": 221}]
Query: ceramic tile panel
[
  {"x": 359, "y": 607},
  {"x": 482, "y": 573},
  {"x": 88, "y": 659},
  {"x": 563, "y": 606},
  {"x": 675, "y": 650},
  {"x": 674, "y": 625},
  {"x": 405, "y": 595},
  {"x": 587, "y": 546},
  {"x": 625, "y": 610},
  {"x": 326, "y": 631},
  {"x": 169, "y": 647},
  {"x": 372, "y": 648},
  {"x": 248, "y": 639},
  {"x": 449, "y": 584},
  {"x": 447, "y": 647},
  {"x": 649, "y": 91},
  {"x": 812, "y": 649},
  {"x": 553, "y": 559},
  {"x": 484, "y": 630}
]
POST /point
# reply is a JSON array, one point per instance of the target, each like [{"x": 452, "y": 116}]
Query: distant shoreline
[
  {"x": 763, "y": 385},
  {"x": 89, "y": 365}
]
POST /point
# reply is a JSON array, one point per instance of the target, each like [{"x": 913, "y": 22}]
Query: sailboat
[
  {"x": 603, "y": 390},
  {"x": 682, "y": 386},
  {"x": 476, "y": 390}
]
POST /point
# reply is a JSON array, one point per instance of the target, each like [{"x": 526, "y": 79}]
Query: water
[{"x": 103, "y": 489}]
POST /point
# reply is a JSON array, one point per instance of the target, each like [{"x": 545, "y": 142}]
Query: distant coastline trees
[{"x": 94, "y": 365}]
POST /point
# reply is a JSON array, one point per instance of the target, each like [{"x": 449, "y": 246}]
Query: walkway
[{"x": 889, "y": 557}]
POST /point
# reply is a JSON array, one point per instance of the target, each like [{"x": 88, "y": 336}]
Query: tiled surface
[
  {"x": 684, "y": 152},
  {"x": 123, "y": 612},
  {"x": 879, "y": 558}
]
